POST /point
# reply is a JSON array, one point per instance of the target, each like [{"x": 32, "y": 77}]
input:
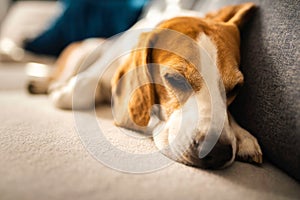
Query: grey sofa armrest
[{"x": 269, "y": 103}]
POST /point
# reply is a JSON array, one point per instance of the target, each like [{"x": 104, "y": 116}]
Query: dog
[{"x": 182, "y": 72}]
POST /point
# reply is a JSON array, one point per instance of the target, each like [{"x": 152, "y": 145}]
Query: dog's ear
[
  {"x": 133, "y": 92},
  {"x": 237, "y": 14}
]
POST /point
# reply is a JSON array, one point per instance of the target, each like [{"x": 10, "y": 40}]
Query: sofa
[{"x": 42, "y": 155}]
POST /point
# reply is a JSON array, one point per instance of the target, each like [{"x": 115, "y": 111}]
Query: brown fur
[{"x": 142, "y": 98}]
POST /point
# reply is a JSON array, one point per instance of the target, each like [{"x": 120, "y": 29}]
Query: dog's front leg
[{"x": 248, "y": 149}]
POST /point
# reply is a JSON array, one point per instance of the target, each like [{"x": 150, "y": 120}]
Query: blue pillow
[{"x": 83, "y": 19}]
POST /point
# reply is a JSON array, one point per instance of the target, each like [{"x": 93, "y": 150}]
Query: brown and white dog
[{"x": 178, "y": 65}]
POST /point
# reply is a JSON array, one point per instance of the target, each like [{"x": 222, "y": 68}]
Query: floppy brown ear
[
  {"x": 133, "y": 93},
  {"x": 237, "y": 14}
]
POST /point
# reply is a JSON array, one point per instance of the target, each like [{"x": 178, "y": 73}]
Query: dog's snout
[{"x": 217, "y": 157}]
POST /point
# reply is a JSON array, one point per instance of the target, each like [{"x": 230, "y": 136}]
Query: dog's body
[{"x": 178, "y": 65}]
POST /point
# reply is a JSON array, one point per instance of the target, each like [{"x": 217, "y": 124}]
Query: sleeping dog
[{"x": 188, "y": 66}]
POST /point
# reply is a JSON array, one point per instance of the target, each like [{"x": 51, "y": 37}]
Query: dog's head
[{"x": 180, "y": 66}]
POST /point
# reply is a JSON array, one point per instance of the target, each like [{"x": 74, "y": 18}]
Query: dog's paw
[
  {"x": 38, "y": 86},
  {"x": 249, "y": 149}
]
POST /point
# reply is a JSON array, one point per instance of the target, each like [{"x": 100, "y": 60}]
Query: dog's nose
[{"x": 217, "y": 157}]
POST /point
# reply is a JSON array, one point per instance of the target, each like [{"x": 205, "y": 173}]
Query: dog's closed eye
[{"x": 177, "y": 81}]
